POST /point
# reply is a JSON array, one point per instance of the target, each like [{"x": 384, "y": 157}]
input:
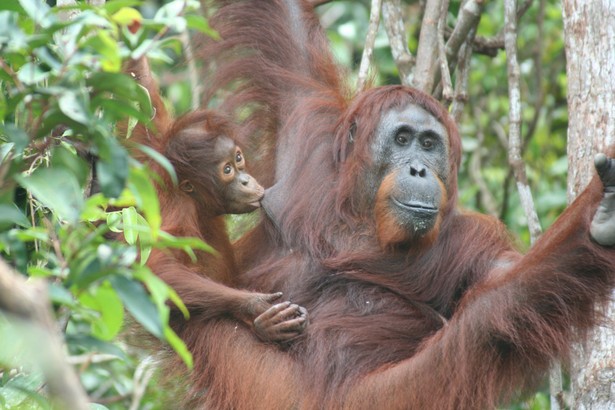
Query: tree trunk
[{"x": 589, "y": 28}]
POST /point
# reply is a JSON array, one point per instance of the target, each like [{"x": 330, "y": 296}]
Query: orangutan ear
[{"x": 186, "y": 186}]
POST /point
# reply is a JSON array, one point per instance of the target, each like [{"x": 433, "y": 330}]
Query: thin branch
[
  {"x": 143, "y": 374},
  {"x": 469, "y": 17},
  {"x": 195, "y": 85},
  {"x": 490, "y": 46},
  {"x": 464, "y": 33},
  {"x": 447, "y": 92},
  {"x": 392, "y": 19},
  {"x": 29, "y": 303},
  {"x": 461, "y": 86},
  {"x": 537, "y": 57},
  {"x": 514, "y": 93},
  {"x": 426, "y": 56},
  {"x": 475, "y": 173},
  {"x": 368, "y": 51}
]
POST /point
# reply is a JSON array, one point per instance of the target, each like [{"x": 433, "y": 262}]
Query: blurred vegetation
[{"x": 62, "y": 95}]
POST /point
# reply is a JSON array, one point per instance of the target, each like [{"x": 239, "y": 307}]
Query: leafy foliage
[{"x": 70, "y": 191}]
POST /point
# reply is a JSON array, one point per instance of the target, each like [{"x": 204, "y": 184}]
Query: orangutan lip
[{"x": 417, "y": 206}]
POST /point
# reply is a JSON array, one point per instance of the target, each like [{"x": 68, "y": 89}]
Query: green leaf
[
  {"x": 86, "y": 271},
  {"x": 11, "y": 215},
  {"x": 60, "y": 295},
  {"x": 117, "y": 83},
  {"x": 126, "y": 16},
  {"x": 74, "y": 106},
  {"x": 105, "y": 300},
  {"x": 129, "y": 221},
  {"x": 63, "y": 157},
  {"x": 114, "y": 221},
  {"x": 39, "y": 11},
  {"x": 160, "y": 160},
  {"x": 145, "y": 240},
  {"x": 32, "y": 73},
  {"x": 108, "y": 50},
  {"x": 159, "y": 290},
  {"x": 201, "y": 24},
  {"x": 138, "y": 303},
  {"x": 116, "y": 5},
  {"x": 145, "y": 103},
  {"x": 117, "y": 110},
  {"x": 90, "y": 344},
  {"x": 15, "y": 135},
  {"x": 112, "y": 168},
  {"x": 179, "y": 346},
  {"x": 147, "y": 198},
  {"x": 12, "y": 5},
  {"x": 93, "y": 208},
  {"x": 57, "y": 189}
]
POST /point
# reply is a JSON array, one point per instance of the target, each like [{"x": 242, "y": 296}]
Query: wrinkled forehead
[{"x": 413, "y": 116}]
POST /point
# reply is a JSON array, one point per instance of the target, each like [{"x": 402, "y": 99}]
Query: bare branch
[
  {"x": 447, "y": 85},
  {"x": 491, "y": 46},
  {"x": 426, "y": 56},
  {"x": 28, "y": 302},
  {"x": 461, "y": 86},
  {"x": 469, "y": 17},
  {"x": 514, "y": 132},
  {"x": 398, "y": 39},
  {"x": 368, "y": 51}
]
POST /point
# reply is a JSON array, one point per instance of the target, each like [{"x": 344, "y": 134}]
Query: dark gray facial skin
[
  {"x": 239, "y": 189},
  {"x": 412, "y": 145}
]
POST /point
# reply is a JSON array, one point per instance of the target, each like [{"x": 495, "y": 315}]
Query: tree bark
[{"x": 589, "y": 28}]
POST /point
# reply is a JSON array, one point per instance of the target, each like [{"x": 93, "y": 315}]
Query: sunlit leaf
[
  {"x": 108, "y": 49},
  {"x": 115, "y": 5},
  {"x": 32, "y": 73},
  {"x": 105, "y": 300},
  {"x": 147, "y": 198},
  {"x": 93, "y": 208},
  {"x": 129, "y": 221},
  {"x": 114, "y": 221},
  {"x": 126, "y": 16},
  {"x": 39, "y": 11}
]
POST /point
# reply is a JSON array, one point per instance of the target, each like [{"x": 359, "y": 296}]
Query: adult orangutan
[
  {"x": 213, "y": 181},
  {"x": 414, "y": 303}
]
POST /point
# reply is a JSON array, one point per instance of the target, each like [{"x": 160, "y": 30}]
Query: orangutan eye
[
  {"x": 227, "y": 169},
  {"x": 427, "y": 143},
  {"x": 238, "y": 157},
  {"x": 401, "y": 139}
]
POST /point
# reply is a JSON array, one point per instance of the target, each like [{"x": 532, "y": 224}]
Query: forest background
[{"x": 62, "y": 94}]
